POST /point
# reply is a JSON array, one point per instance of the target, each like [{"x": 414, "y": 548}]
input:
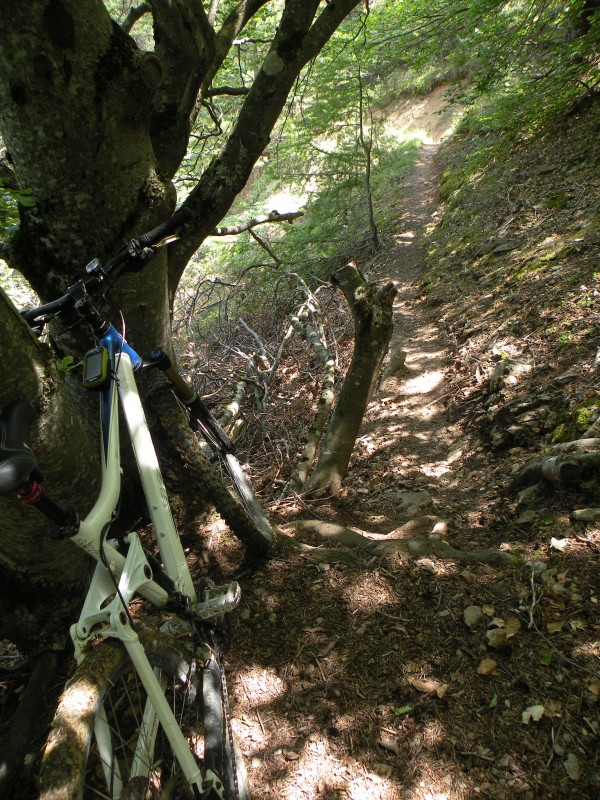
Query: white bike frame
[{"x": 104, "y": 616}]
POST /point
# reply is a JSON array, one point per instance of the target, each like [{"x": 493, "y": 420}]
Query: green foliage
[
  {"x": 513, "y": 64},
  {"x": 10, "y": 199},
  {"x": 315, "y": 162}
]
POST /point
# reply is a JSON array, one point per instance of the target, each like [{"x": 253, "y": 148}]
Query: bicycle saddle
[{"x": 17, "y": 462}]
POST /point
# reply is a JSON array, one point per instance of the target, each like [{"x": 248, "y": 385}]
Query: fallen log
[{"x": 563, "y": 468}]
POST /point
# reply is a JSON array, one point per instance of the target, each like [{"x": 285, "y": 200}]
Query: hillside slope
[{"x": 471, "y": 671}]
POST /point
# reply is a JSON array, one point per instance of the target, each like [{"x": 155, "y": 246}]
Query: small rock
[
  {"x": 412, "y": 503},
  {"x": 537, "y": 567},
  {"x": 527, "y": 495},
  {"x": 528, "y": 517},
  {"x": 472, "y": 615}
]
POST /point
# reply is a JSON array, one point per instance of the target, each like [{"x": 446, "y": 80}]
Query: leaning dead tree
[
  {"x": 308, "y": 321},
  {"x": 371, "y": 306}
]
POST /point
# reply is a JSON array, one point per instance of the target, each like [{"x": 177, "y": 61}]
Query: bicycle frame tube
[
  {"x": 90, "y": 531},
  {"x": 167, "y": 538}
]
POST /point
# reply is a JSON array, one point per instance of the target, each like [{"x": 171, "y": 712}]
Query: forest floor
[{"x": 381, "y": 676}]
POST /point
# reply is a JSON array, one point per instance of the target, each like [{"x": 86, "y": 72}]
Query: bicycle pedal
[{"x": 217, "y": 601}]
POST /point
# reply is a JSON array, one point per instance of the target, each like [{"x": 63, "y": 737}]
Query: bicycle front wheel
[
  {"x": 239, "y": 487},
  {"x": 107, "y": 742}
]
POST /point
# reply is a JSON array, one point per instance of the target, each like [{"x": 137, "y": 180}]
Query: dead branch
[
  {"x": 266, "y": 246},
  {"x": 556, "y": 468},
  {"x": 273, "y": 216},
  {"x": 371, "y": 306}
]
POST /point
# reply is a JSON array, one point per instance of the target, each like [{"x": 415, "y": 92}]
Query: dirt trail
[
  {"x": 406, "y": 431},
  {"x": 322, "y": 649},
  {"x": 410, "y": 401},
  {"x": 385, "y": 677}
]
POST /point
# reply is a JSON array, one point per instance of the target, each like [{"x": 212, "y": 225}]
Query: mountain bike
[{"x": 146, "y": 712}]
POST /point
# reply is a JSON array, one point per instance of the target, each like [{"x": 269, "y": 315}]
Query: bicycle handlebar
[
  {"x": 173, "y": 224},
  {"x": 135, "y": 254}
]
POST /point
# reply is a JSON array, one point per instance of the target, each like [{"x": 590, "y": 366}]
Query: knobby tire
[{"x": 257, "y": 535}]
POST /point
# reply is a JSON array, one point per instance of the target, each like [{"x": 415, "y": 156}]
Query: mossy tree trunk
[{"x": 96, "y": 129}]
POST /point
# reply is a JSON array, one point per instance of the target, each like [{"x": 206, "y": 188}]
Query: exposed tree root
[{"x": 395, "y": 542}]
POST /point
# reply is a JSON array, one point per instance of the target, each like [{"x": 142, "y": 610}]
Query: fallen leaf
[
  {"x": 572, "y": 767},
  {"x": 576, "y": 624},
  {"x": 427, "y": 687},
  {"x": 496, "y": 637},
  {"x": 472, "y": 615},
  {"x": 559, "y": 544},
  {"x": 384, "y": 770},
  {"x": 594, "y": 686},
  {"x": 556, "y": 626},
  {"x": 534, "y": 713},
  {"x": 552, "y": 708},
  {"x": 428, "y": 564},
  {"x": 390, "y": 744},
  {"x": 442, "y": 690},
  {"x": 489, "y": 610},
  {"x": 558, "y": 748},
  {"x": 487, "y": 666},
  {"x": 512, "y": 627}
]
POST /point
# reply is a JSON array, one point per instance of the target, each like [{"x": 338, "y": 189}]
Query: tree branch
[
  {"x": 185, "y": 43},
  {"x": 266, "y": 246},
  {"x": 229, "y": 90},
  {"x": 273, "y": 216},
  {"x": 135, "y": 13},
  {"x": 295, "y": 43}
]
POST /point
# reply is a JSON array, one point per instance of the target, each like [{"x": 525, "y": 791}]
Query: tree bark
[
  {"x": 560, "y": 468},
  {"x": 96, "y": 128},
  {"x": 33, "y": 566},
  {"x": 372, "y": 313},
  {"x": 316, "y": 338}
]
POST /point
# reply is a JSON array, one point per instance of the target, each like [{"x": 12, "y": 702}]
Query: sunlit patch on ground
[{"x": 425, "y": 383}]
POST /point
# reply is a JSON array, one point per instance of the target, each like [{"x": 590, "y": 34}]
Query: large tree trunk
[
  {"x": 96, "y": 128},
  {"x": 41, "y": 576},
  {"x": 372, "y": 313}
]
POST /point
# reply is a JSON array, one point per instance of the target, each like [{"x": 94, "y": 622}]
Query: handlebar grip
[
  {"x": 170, "y": 226},
  {"x": 53, "y": 307}
]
